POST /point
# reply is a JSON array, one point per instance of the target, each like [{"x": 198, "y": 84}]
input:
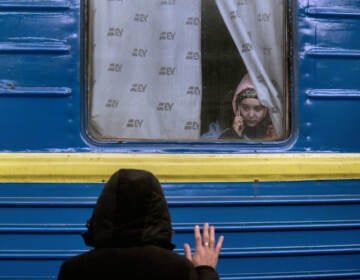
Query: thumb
[{"x": 187, "y": 251}]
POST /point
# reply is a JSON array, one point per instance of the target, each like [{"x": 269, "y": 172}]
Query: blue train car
[{"x": 289, "y": 206}]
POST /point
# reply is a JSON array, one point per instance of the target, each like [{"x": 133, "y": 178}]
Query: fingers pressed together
[{"x": 206, "y": 249}]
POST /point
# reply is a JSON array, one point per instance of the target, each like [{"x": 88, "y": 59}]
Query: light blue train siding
[{"x": 274, "y": 230}]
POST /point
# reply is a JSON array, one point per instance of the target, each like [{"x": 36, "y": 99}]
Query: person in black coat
[{"x": 130, "y": 230}]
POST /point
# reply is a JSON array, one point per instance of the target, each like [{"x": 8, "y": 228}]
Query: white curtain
[
  {"x": 146, "y": 69},
  {"x": 257, "y": 28}
]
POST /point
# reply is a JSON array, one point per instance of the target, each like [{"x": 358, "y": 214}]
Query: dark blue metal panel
[
  {"x": 328, "y": 86},
  {"x": 279, "y": 229}
]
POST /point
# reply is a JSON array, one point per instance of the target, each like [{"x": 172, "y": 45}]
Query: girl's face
[{"x": 252, "y": 111}]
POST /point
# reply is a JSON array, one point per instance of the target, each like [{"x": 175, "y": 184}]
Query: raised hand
[{"x": 206, "y": 251}]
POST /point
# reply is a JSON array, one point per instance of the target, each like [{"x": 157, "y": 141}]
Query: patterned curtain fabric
[
  {"x": 257, "y": 28},
  {"x": 146, "y": 69}
]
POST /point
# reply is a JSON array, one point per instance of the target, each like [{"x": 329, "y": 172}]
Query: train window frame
[{"x": 96, "y": 139}]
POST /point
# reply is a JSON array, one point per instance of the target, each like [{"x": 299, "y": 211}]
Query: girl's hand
[{"x": 238, "y": 124}]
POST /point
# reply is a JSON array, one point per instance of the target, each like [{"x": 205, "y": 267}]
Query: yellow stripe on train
[{"x": 97, "y": 167}]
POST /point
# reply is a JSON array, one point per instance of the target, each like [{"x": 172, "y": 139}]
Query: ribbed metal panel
[
  {"x": 34, "y": 5},
  {"x": 266, "y": 236},
  {"x": 279, "y": 229}
]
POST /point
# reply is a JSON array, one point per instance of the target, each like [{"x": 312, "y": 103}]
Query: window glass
[{"x": 189, "y": 70}]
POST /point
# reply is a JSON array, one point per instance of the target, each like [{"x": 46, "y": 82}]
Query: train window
[{"x": 189, "y": 70}]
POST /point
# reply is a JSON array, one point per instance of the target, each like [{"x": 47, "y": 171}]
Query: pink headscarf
[{"x": 244, "y": 83}]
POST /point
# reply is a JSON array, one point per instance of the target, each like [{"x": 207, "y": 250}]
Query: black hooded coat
[{"x": 130, "y": 230}]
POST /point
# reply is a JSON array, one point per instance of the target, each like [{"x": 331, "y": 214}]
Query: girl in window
[{"x": 251, "y": 120}]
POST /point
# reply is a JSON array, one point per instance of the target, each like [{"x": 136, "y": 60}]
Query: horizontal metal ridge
[
  {"x": 290, "y": 251},
  {"x": 38, "y": 5},
  {"x": 333, "y": 52},
  {"x": 299, "y": 275},
  {"x": 193, "y": 201},
  {"x": 37, "y": 254},
  {"x": 35, "y": 91},
  {"x": 51, "y": 202},
  {"x": 188, "y": 228},
  {"x": 346, "y": 12},
  {"x": 333, "y": 93},
  {"x": 277, "y": 226},
  {"x": 34, "y": 47},
  {"x": 262, "y": 200},
  {"x": 225, "y": 252},
  {"x": 42, "y": 228},
  {"x": 29, "y": 277}
]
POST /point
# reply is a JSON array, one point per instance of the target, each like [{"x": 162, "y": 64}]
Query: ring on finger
[{"x": 206, "y": 244}]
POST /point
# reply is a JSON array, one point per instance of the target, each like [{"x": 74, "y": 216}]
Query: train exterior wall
[{"x": 288, "y": 209}]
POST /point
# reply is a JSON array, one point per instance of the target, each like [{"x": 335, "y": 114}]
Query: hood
[
  {"x": 244, "y": 84},
  {"x": 130, "y": 211}
]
